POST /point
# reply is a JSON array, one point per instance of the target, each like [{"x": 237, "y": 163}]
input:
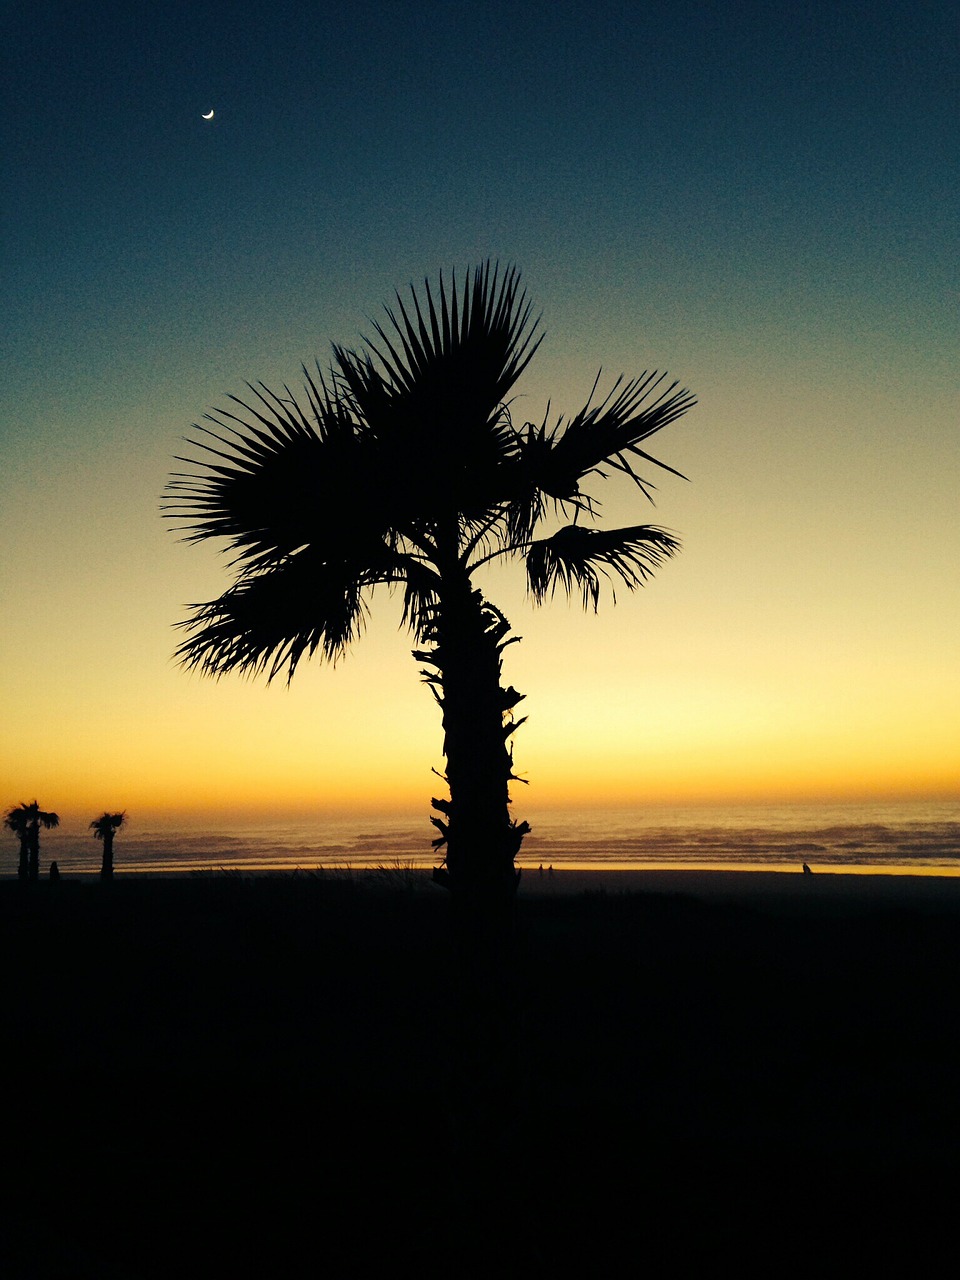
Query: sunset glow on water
[{"x": 863, "y": 839}]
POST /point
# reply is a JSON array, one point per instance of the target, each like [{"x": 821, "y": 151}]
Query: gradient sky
[{"x": 760, "y": 198}]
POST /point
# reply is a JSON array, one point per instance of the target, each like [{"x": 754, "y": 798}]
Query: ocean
[{"x": 900, "y": 839}]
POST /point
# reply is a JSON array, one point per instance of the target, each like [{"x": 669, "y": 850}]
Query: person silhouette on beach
[{"x": 806, "y": 870}]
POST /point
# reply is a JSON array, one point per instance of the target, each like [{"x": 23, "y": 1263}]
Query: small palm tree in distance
[
  {"x": 25, "y": 821},
  {"x": 17, "y": 821},
  {"x": 403, "y": 466},
  {"x": 105, "y": 828}
]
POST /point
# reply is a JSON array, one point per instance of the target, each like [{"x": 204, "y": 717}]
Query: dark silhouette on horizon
[
  {"x": 105, "y": 828},
  {"x": 25, "y": 821},
  {"x": 17, "y": 821},
  {"x": 403, "y": 466}
]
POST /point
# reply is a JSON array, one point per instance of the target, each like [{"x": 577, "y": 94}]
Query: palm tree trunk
[
  {"x": 106, "y": 866},
  {"x": 481, "y": 839},
  {"x": 482, "y": 842},
  {"x": 34, "y": 838},
  {"x": 23, "y": 869}
]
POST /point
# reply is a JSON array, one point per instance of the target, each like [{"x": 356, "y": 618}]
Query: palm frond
[
  {"x": 16, "y": 820},
  {"x": 421, "y": 587},
  {"x": 107, "y": 824},
  {"x": 576, "y": 558},
  {"x": 268, "y": 620},
  {"x": 532, "y": 487},
  {"x": 280, "y": 475},
  {"x": 432, "y": 388},
  {"x": 605, "y": 435},
  {"x": 24, "y": 815},
  {"x": 469, "y": 355}
]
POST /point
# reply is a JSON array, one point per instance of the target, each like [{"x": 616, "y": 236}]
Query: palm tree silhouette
[
  {"x": 403, "y": 466},
  {"x": 105, "y": 828},
  {"x": 16, "y": 820},
  {"x": 25, "y": 821}
]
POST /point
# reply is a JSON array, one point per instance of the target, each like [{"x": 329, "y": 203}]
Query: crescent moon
[{"x": 208, "y": 116}]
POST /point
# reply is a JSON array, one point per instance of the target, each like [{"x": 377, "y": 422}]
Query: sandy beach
[
  {"x": 781, "y": 889},
  {"x": 254, "y": 1076}
]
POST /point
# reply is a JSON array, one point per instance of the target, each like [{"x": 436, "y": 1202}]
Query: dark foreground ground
[{"x": 216, "y": 1077}]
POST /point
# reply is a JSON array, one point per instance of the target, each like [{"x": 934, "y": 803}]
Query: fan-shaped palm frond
[
  {"x": 463, "y": 361},
  {"x": 605, "y": 435},
  {"x": 283, "y": 476},
  {"x": 575, "y": 557},
  {"x": 266, "y": 622},
  {"x": 26, "y": 815},
  {"x": 106, "y": 826},
  {"x": 16, "y": 820},
  {"x": 432, "y": 388}
]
